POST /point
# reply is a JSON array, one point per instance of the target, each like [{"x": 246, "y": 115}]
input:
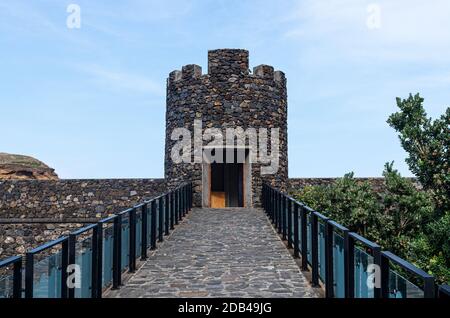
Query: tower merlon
[
  {"x": 267, "y": 72},
  {"x": 264, "y": 71},
  {"x": 279, "y": 77},
  {"x": 191, "y": 71},
  {"x": 225, "y": 62},
  {"x": 174, "y": 76}
]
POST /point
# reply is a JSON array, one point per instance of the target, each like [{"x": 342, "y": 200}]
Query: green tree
[
  {"x": 405, "y": 212},
  {"x": 413, "y": 223},
  {"x": 427, "y": 144}
]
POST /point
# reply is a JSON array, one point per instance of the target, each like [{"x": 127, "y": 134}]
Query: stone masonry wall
[
  {"x": 33, "y": 212},
  {"x": 17, "y": 238},
  {"x": 64, "y": 200},
  {"x": 228, "y": 96}
]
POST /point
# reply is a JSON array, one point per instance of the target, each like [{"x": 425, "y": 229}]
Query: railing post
[
  {"x": 304, "y": 240},
  {"x": 175, "y": 206},
  {"x": 280, "y": 209},
  {"x": 349, "y": 265},
  {"x": 29, "y": 275},
  {"x": 428, "y": 287},
  {"x": 72, "y": 251},
  {"x": 160, "y": 219},
  {"x": 275, "y": 208},
  {"x": 99, "y": 266},
  {"x": 314, "y": 251},
  {"x": 377, "y": 258},
  {"x": 179, "y": 204},
  {"x": 94, "y": 263},
  {"x": 272, "y": 204},
  {"x": 166, "y": 214},
  {"x": 191, "y": 195},
  {"x": 153, "y": 226},
  {"x": 117, "y": 247},
  {"x": 284, "y": 217},
  {"x": 132, "y": 254},
  {"x": 264, "y": 197},
  {"x": 329, "y": 279},
  {"x": 172, "y": 210},
  {"x": 384, "y": 277},
  {"x": 184, "y": 200},
  {"x": 289, "y": 223},
  {"x": 64, "y": 264},
  {"x": 17, "y": 279},
  {"x": 296, "y": 228},
  {"x": 144, "y": 230}
]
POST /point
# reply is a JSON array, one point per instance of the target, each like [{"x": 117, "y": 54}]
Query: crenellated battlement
[
  {"x": 226, "y": 63},
  {"x": 187, "y": 72}
]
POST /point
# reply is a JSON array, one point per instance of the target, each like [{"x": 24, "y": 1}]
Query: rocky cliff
[{"x": 24, "y": 167}]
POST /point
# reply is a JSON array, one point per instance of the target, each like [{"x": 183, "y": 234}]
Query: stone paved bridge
[{"x": 219, "y": 253}]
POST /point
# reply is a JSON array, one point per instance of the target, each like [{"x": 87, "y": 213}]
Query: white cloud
[
  {"x": 120, "y": 80},
  {"x": 20, "y": 16},
  {"x": 410, "y": 29}
]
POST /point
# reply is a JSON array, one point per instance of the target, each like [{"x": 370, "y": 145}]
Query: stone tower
[{"x": 211, "y": 105}]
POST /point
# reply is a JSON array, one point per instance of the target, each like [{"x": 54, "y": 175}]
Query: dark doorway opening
[{"x": 227, "y": 184}]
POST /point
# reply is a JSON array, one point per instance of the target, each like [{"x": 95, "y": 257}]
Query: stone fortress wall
[{"x": 33, "y": 212}]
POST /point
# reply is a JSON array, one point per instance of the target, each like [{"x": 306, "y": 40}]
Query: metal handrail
[
  {"x": 173, "y": 206},
  {"x": 16, "y": 262},
  {"x": 29, "y": 265},
  {"x": 273, "y": 203}
]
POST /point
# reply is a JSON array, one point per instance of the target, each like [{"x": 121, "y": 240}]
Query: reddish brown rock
[{"x": 18, "y": 167}]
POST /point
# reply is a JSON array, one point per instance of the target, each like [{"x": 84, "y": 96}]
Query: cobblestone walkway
[{"x": 219, "y": 253}]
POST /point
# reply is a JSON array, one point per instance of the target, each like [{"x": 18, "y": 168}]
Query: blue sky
[{"x": 90, "y": 102}]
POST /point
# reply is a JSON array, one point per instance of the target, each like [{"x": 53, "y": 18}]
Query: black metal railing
[
  {"x": 93, "y": 258},
  {"x": 11, "y": 281},
  {"x": 344, "y": 263},
  {"x": 43, "y": 264}
]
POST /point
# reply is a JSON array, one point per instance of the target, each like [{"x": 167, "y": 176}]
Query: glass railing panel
[
  {"x": 125, "y": 247},
  {"x": 6, "y": 283},
  {"x": 338, "y": 266},
  {"x": 362, "y": 261},
  {"x": 292, "y": 227},
  {"x": 308, "y": 233},
  {"x": 83, "y": 258},
  {"x": 149, "y": 225},
  {"x": 138, "y": 234},
  {"x": 47, "y": 277},
  {"x": 321, "y": 246},
  {"x": 400, "y": 287},
  {"x": 157, "y": 220},
  {"x": 107, "y": 261}
]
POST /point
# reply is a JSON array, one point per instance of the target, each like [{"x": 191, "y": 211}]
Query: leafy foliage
[
  {"x": 427, "y": 143},
  {"x": 413, "y": 223}
]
